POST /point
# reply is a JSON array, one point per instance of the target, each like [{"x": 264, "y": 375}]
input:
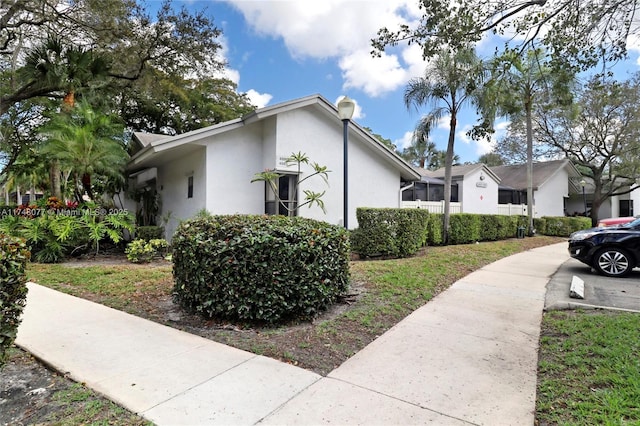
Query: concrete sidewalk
[{"x": 467, "y": 357}]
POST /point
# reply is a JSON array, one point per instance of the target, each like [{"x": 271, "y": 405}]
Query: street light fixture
[
  {"x": 345, "y": 111},
  {"x": 583, "y": 183}
]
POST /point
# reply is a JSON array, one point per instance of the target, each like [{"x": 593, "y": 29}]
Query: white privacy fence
[
  {"x": 432, "y": 206},
  {"x": 512, "y": 209},
  {"x": 438, "y": 207}
]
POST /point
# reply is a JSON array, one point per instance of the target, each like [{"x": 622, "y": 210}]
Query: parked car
[
  {"x": 612, "y": 251},
  {"x": 612, "y": 221}
]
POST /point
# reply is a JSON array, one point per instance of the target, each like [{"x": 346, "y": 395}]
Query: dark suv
[{"x": 613, "y": 251}]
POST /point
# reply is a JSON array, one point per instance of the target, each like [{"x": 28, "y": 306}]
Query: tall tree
[
  {"x": 421, "y": 150},
  {"x": 491, "y": 159},
  {"x": 387, "y": 142},
  {"x": 582, "y": 32},
  {"x": 163, "y": 105},
  {"x": 512, "y": 147},
  {"x": 516, "y": 82},
  {"x": 449, "y": 84},
  {"x": 175, "y": 41},
  {"x": 69, "y": 68},
  {"x": 86, "y": 142},
  {"x": 600, "y": 133}
]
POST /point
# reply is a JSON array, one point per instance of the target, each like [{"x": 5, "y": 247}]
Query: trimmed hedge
[
  {"x": 388, "y": 232},
  {"x": 264, "y": 268},
  {"x": 13, "y": 290},
  {"x": 468, "y": 228},
  {"x": 561, "y": 226}
]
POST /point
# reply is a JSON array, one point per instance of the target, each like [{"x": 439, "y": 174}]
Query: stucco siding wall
[
  {"x": 549, "y": 198},
  {"x": 172, "y": 184},
  {"x": 372, "y": 182},
  {"x": 232, "y": 161},
  {"x": 476, "y": 199}
]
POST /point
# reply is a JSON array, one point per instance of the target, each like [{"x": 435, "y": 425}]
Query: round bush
[
  {"x": 265, "y": 268},
  {"x": 13, "y": 290}
]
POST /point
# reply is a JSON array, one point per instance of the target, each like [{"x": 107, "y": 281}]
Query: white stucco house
[
  {"x": 474, "y": 188},
  {"x": 554, "y": 184},
  {"x": 212, "y": 168},
  {"x": 477, "y": 188}
]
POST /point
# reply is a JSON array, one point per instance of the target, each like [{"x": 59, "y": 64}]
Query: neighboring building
[
  {"x": 503, "y": 189},
  {"x": 212, "y": 168},
  {"x": 474, "y": 186},
  {"x": 553, "y": 184}
]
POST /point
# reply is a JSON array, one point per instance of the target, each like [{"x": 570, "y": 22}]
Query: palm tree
[
  {"x": 85, "y": 143},
  {"x": 449, "y": 84},
  {"x": 53, "y": 67},
  {"x": 29, "y": 170},
  {"x": 517, "y": 82},
  {"x": 421, "y": 149}
]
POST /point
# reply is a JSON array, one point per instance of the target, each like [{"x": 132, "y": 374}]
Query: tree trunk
[
  {"x": 86, "y": 185},
  {"x": 54, "y": 178},
  {"x": 530, "y": 202},
  {"x": 448, "y": 163}
]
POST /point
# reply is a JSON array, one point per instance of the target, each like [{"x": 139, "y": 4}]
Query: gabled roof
[
  {"x": 145, "y": 139},
  {"x": 159, "y": 143},
  {"x": 515, "y": 176},
  {"x": 460, "y": 171}
]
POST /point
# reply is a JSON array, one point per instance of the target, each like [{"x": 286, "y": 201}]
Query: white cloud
[
  {"x": 374, "y": 76},
  {"x": 405, "y": 141},
  {"x": 259, "y": 99},
  {"x": 342, "y": 30}
]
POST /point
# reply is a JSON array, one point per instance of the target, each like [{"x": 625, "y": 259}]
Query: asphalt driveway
[{"x": 599, "y": 291}]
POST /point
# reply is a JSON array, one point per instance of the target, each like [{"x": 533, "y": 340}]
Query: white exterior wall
[
  {"x": 635, "y": 196},
  {"x": 172, "y": 184},
  {"x": 476, "y": 199},
  {"x": 372, "y": 182},
  {"x": 549, "y": 198},
  {"x": 232, "y": 161}
]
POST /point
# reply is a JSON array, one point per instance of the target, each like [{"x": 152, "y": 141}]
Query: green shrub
[
  {"x": 467, "y": 228},
  {"x": 149, "y": 233},
  {"x": 389, "y": 232},
  {"x": 50, "y": 237},
  {"x": 265, "y": 268},
  {"x": 464, "y": 228},
  {"x": 540, "y": 225},
  {"x": 563, "y": 226},
  {"x": 434, "y": 229},
  {"x": 13, "y": 290},
  {"x": 141, "y": 251}
]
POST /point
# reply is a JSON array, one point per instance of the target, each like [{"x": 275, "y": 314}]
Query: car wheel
[{"x": 613, "y": 262}]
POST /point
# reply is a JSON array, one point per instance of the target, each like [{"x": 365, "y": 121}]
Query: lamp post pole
[
  {"x": 345, "y": 110},
  {"x": 345, "y": 168},
  {"x": 583, "y": 183}
]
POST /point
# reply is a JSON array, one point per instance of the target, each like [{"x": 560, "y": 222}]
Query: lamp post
[
  {"x": 345, "y": 111},
  {"x": 583, "y": 183}
]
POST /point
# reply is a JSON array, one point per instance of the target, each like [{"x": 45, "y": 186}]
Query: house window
[
  {"x": 287, "y": 200},
  {"x": 190, "y": 187}
]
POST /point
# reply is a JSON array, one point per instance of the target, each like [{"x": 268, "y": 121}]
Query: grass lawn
[
  {"x": 589, "y": 368},
  {"x": 384, "y": 292}
]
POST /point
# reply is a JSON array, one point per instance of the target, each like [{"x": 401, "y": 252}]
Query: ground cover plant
[
  {"x": 381, "y": 293},
  {"x": 589, "y": 370}
]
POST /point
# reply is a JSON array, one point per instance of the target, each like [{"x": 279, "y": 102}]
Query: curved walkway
[{"x": 468, "y": 357}]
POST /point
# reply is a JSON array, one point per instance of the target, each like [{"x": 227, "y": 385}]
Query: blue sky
[{"x": 280, "y": 50}]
